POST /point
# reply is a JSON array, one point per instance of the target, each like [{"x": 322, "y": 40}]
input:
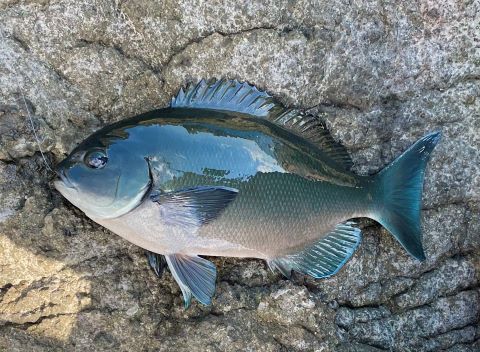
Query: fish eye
[{"x": 96, "y": 159}]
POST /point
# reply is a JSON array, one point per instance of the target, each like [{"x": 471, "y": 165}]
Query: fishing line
[{"x": 35, "y": 133}]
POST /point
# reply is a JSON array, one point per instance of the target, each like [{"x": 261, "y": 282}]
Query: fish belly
[{"x": 145, "y": 228}]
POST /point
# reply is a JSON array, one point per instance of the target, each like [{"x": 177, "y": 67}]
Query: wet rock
[{"x": 380, "y": 74}]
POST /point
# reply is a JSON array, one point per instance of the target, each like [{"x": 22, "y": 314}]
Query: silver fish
[{"x": 228, "y": 171}]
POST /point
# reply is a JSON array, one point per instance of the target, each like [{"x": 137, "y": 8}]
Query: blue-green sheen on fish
[{"x": 228, "y": 171}]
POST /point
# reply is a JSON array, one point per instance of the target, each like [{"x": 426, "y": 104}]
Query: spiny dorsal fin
[
  {"x": 232, "y": 95},
  {"x": 324, "y": 258},
  {"x": 225, "y": 95}
]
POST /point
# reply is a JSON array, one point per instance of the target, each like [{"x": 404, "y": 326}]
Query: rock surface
[{"x": 381, "y": 73}]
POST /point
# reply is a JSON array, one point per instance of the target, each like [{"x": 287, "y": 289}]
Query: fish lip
[{"x": 64, "y": 179}]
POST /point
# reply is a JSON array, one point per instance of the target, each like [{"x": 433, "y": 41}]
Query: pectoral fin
[
  {"x": 195, "y": 276},
  {"x": 189, "y": 208}
]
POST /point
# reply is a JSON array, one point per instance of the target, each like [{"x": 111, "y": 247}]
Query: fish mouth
[{"x": 64, "y": 179}]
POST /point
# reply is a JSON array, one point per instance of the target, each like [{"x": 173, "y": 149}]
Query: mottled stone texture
[{"x": 382, "y": 73}]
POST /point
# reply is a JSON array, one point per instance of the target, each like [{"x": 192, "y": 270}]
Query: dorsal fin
[
  {"x": 232, "y": 95},
  {"x": 314, "y": 129},
  {"x": 225, "y": 95}
]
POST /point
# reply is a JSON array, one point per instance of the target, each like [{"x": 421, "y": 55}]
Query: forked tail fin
[{"x": 398, "y": 194}]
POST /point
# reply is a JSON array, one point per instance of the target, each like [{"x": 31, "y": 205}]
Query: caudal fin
[{"x": 398, "y": 194}]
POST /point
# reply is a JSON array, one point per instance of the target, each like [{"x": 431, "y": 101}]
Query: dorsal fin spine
[{"x": 241, "y": 97}]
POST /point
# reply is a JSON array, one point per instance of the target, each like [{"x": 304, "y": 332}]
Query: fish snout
[{"x": 62, "y": 176}]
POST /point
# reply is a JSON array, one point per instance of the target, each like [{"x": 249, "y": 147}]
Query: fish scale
[
  {"x": 228, "y": 171},
  {"x": 285, "y": 215}
]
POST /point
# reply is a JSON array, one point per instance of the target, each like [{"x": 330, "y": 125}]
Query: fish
[{"x": 227, "y": 170}]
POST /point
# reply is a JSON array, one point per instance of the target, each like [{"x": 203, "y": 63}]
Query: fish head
[{"x": 104, "y": 180}]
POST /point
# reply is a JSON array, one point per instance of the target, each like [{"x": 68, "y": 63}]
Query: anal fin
[
  {"x": 324, "y": 258},
  {"x": 195, "y": 276}
]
